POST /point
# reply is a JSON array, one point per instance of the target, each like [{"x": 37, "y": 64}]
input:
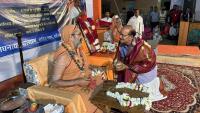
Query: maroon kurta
[{"x": 140, "y": 59}]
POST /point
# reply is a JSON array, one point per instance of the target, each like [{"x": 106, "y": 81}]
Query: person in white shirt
[
  {"x": 107, "y": 17},
  {"x": 137, "y": 23}
]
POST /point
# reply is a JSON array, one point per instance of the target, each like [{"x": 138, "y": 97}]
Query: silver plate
[{"x": 15, "y": 102}]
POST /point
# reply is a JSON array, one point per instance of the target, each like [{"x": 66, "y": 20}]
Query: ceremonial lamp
[{"x": 19, "y": 40}]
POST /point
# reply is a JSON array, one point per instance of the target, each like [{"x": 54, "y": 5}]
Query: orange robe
[{"x": 72, "y": 71}]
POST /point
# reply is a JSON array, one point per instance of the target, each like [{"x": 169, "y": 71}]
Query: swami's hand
[
  {"x": 83, "y": 82},
  {"x": 119, "y": 66},
  {"x": 92, "y": 84}
]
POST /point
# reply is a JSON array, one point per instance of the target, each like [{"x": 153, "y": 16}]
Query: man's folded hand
[{"x": 119, "y": 66}]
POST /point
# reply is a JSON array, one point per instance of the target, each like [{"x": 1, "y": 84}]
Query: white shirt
[
  {"x": 107, "y": 19},
  {"x": 137, "y": 24}
]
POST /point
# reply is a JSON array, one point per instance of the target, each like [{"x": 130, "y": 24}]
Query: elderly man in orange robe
[{"x": 70, "y": 68}]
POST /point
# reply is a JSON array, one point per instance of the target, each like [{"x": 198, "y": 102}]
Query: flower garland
[
  {"x": 127, "y": 101},
  {"x": 132, "y": 86},
  {"x": 74, "y": 56},
  {"x": 107, "y": 46},
  {"x": 97, "y": 71}
]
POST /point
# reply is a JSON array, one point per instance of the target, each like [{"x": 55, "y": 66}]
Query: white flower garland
[
  {"x": 108, "y": 46},
  {"x": 125, "y": 100},
  {"x": 95, "y": 71}
]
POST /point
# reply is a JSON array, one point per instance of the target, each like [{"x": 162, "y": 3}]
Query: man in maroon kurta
[
  {"x": 135, "y": 54},
  {"x": 136, "y": 62}
]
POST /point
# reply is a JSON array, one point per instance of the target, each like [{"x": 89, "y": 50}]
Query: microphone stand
[{"x": 19, "y": 40}]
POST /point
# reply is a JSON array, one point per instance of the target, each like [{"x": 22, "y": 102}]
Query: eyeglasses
[
  {"x": 76, "y": 34},
  {"x": 122, "y": 36}
]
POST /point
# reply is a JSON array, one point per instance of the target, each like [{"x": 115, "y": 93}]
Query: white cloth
[
  {"x": 153, "y": 90},
  {"x": 172, "y": 31},
  {"x": 154, "y": 16},
  {"x": 151, "y": 81},
  {"x": 137, "y": 24},
  {"x": 147, "y": 77},
  {"x": 108, "y": 36},
  {"x": 107, "y": 19},
  {"x": 51, "y": 108}
]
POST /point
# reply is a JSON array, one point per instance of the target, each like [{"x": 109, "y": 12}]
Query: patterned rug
[{"x": 182, "y": 83}]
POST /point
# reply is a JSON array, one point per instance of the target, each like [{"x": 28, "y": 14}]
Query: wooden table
[
  {"x": 104, "y": 54},
  {"x": 103, "y": 60},
  {"x": 105, "y": 103}
]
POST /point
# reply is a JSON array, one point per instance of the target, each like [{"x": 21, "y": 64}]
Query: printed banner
[
  {"x": 39, "y": 21},
  {"x": 37, "y": 25}
]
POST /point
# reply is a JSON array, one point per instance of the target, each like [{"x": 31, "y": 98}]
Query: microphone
[
  {"x": 19, "y": 35},
  {"x": 19, "y": 39}
]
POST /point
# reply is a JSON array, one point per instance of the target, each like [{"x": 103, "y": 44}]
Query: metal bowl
[{"x": 12, "y": 103}]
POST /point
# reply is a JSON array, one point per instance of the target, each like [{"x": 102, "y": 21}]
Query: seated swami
[{"x": 70, "y": 68}]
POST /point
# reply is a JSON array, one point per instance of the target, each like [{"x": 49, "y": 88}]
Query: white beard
[{"x": 77, "y": 43}]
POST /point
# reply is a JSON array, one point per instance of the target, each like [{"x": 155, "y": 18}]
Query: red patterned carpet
[{"x": 182, "y": 83}]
